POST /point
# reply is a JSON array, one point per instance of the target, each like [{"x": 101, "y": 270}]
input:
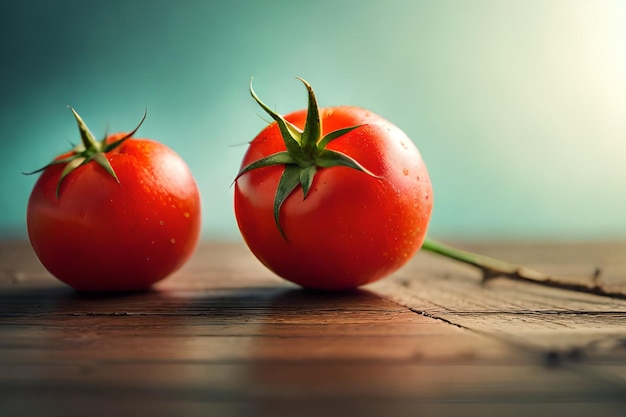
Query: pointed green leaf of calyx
[
  {"x": 288, "y": 182},
  {"x": 55, "y": 162},
  {"x": 291, "y": 134},
  {"x": 102, "y": 160},
  {"x": 334, "y": 135},
  {"x": 113, "y": 145},
  {"x": 306, "y": 178},
  {"x": 89, "y": 142},
  {"x": 328, "y": 158},
  {"x": 280, "y": 158},
  {"x": 78, "y": 148},
  {"x": 71, "y": 166},
  {"x": 89, "y": 149},
  {"x": 313, "y": 126}
]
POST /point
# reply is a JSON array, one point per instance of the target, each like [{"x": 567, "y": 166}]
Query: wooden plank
[
  {"x": 97, "y": 402},
  {"x": 225, "y": 337},
  {"x": 226, "y": 325}
]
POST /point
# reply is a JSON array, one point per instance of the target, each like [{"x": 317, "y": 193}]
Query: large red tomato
[
  {"x": 114, "y": 215},
  {"x": 332, "y": 198}
]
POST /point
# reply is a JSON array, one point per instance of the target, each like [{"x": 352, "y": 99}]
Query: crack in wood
[{"x": 435, "y": 317}]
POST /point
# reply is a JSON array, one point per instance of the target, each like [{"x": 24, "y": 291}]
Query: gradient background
[{"x": 518, "y": 107}]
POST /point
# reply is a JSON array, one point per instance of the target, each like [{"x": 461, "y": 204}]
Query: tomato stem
[
  {"x": 88, "y": 150},
  {"x": 492, "y": 268},
  {"x": 305, "y": 152},
  {"x": 486, "y": 264}
]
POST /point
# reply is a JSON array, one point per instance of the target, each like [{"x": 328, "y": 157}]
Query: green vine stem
[{"x": 492, "y": 268}]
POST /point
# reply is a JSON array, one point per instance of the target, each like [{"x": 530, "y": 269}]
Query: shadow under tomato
[
  {"x": 313, "y": 349},
  {"x": 232, "y": 342}
]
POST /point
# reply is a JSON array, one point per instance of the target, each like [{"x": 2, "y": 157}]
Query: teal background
[{"x": 518, "y": 107}]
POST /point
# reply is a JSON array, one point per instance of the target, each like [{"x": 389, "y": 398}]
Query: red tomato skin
[
  {"x": 353, "y": 228},
  {"x": 101, "y": 235}
]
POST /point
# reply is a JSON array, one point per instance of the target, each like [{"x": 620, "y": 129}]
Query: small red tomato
[
  {"x": 332, "y": 198},
  {"x": 114, "y": 215}
]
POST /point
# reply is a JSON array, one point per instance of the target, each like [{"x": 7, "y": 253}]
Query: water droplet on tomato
[
  {"x": 405, "y": 171},
  {"x": 172, "y": 240}
]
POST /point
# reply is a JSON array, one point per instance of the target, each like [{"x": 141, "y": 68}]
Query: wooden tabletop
[{"x": 224, "y": 337}]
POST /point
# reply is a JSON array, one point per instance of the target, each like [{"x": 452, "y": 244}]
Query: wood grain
[{"x": 225, "y": 337}]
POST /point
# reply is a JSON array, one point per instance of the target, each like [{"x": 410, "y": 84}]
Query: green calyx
[
  {"x": 88, "y": 150},
  {"x": 306, "y": 152}
]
